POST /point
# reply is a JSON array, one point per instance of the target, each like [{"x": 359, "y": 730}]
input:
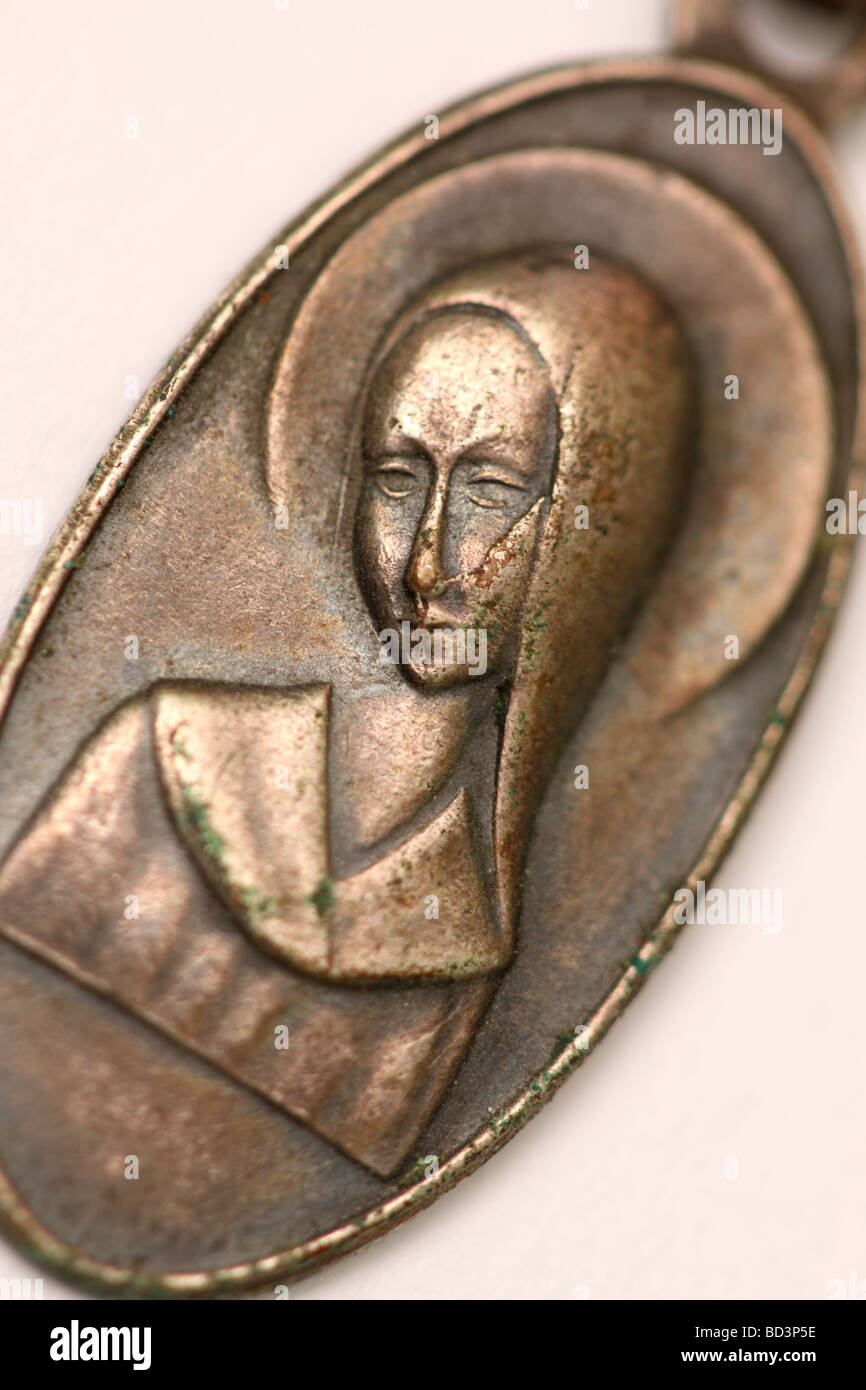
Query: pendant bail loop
[{"x": 716, "y": 29}]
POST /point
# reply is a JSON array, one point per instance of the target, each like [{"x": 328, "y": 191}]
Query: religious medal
[{"x": 385, "y": 704}]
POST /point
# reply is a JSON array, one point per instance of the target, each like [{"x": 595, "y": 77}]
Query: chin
[
  {"x": 440, "y": 654},
  {"x": 441, "y": 676},
  {"x": 434, "y": 678}
]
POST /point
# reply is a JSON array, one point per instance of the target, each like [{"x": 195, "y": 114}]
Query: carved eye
[
  {"x": 395, "y": 478},
  {"x": 494, "y": 490}
]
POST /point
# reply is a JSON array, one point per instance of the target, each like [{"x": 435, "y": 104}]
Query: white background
[{"x": 744, "y": 1045}]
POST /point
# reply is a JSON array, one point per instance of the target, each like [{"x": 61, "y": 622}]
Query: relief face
[
  {"x": 460, "y": 443},
  {"x": 320, "y": 884}
]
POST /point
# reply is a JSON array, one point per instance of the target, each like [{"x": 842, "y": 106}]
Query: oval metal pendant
[{"x": 406, "y": 668}]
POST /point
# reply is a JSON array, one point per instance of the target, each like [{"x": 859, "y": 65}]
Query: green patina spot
[
  {"x": 500, "y": 1122},
  {"x": 454, "y": 967},
  {"x": 416, "y": 1173},
  {"x": 181, "y": 750},
  {"x": 323, "y": 898},
  {"x": 560, "y": 1043},
  {"x": 543, "y": 1084},
  {"x": 486, "y": 620},
  {"x": 74, "y": 564},
  {"x": 257, "y": 904},
  {"x": 197, "y": 814},
  {"x": 534, "y": 626}
]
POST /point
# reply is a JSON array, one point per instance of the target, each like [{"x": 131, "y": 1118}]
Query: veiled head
[{"x": 517, "y": 385}]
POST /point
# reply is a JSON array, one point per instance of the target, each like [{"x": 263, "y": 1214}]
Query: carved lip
[{"x": 97, "y": 495}]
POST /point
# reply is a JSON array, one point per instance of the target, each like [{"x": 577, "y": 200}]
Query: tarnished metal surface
[{"x": 362, "y": 726}]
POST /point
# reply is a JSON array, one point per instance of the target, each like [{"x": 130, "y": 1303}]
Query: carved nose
[
  {"x": 424, "y": 571},
  {"x": 425, "y": 566}
]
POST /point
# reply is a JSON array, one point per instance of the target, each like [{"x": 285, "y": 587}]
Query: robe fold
[{"x": 180, "y": 868}]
